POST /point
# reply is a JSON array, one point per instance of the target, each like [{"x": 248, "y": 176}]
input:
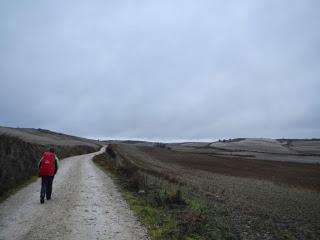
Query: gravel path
[{"x": 85, "y": 205}]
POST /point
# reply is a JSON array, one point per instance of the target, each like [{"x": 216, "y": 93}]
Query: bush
[{"x": 110, "y": 151}]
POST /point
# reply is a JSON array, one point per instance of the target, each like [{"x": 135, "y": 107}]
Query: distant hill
[
  {"x": 47, "y": 137},
  {"x": 274, "y": 146}
]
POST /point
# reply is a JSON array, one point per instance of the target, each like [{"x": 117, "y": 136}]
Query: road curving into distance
[{"x": 85, "y": 205}]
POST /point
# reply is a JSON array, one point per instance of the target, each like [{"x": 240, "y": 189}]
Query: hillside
[
  {"x": 284, "y": 150},
  {"x": 21, "y": 148},
  {"x": 249, "y": 197},
  {"x": 47, "y": 137}
]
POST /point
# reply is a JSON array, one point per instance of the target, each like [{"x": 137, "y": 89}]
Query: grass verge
[
  {"x": 19, "y": 160},
  {"x": 167, "y": 210},
  {"x": 178, "y": 203},
  {"x": 18, "y": 187}
]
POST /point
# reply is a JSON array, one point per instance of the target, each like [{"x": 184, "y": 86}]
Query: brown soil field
[
  {"x": 293, "y": 174},
  {"x": 262, "y": 199}
]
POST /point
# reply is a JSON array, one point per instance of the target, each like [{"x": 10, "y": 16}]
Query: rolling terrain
[
  {"x": 269, "y": 188},
  {"x": 230, "y": 189},
  {"x": 47, "y": 137},
  {"x": 21, "y": 149},
  {"x": 286, "y": 150}
]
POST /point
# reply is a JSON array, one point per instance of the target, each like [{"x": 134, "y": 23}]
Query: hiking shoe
[{"x": 42, "y": 200}]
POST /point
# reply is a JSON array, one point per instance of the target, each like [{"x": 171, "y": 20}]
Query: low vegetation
[
  {"x": 176, "y": 201},
  {"x": 19, "y": 160},
  {"x": 168, "y": 210}
]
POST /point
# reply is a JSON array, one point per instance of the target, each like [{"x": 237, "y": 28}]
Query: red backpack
[{"x": 47, "y": 164}]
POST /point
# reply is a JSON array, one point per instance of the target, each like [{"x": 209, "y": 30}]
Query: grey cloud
[{"x": 161, "y": 69}]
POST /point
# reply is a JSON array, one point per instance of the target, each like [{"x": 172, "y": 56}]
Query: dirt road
[{"x": 85, "y": 205}]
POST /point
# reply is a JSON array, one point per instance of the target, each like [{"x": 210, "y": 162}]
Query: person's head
[{"x": 51, "y": 150}]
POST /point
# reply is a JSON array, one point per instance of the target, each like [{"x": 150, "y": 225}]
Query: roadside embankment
[
  {"x": 19, "y": 159},
  {"x": 178, "y": 197},
  {"x": 168, "y": 209},
  {"x": 85, "y": 204}
]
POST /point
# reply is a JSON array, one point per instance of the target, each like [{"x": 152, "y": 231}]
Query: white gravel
[{"x": 85, "y": 205}]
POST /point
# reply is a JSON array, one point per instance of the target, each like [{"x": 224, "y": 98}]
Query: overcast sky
[{"x": 167, "y": 70}]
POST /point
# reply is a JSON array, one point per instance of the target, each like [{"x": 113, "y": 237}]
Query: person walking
[{"x": 48, "y": 167}]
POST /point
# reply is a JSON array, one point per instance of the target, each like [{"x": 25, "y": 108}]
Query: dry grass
[
  {"x": 21, "y": 149},
  {"x": 266, "y": 200},
  {"x": 47, "y": 137}
]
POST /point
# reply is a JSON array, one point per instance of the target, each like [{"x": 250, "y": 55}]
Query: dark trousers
[{"x": 46, "y": 186}]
